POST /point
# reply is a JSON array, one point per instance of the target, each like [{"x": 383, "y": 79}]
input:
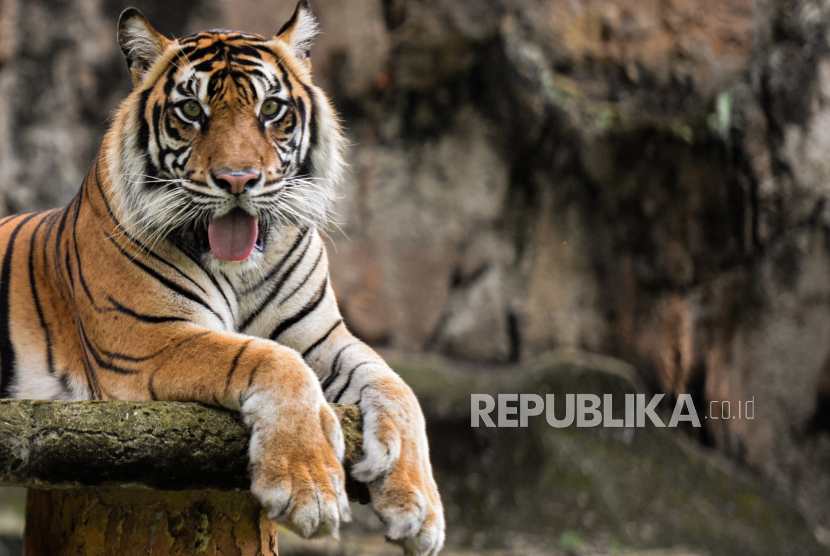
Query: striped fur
[{"x": 116, "y": 296}]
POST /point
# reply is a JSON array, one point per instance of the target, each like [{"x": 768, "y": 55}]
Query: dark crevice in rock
[
  {"x": 394, "y": 13},
  {"x": 460, "y": 280},
  {"x": 821, "y": 418},
  {"x": 514, "y": 333},
  {"x": 348, "y": 107}
]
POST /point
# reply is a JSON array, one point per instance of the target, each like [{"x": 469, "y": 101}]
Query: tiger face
[{"x": 224, "y": 139}]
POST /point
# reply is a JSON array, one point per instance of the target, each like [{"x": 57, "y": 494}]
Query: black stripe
[
  {"x": 91, "y": 378},
  {"x": 173, "y": 135},
  {"x": 54, "y": 217},
  {"x": 143, "y": 140},
  {"x": 285, "y": 78},
  {"x": 213, "y": 279},
  {"x": 166, "y": 282},
  {"x": 68, "y": 265},
  {"x": 305, "y": 279},
  {"x": 130, "y": 358},
  {"x": 277, "y": 267},
  {"x": 201, "y": 52},
  {"x": 33, "y": 288},
  {"x": 334, "y": 366},
  {"x": 250, "y": 380},
  {"x": 316, "y": 344},
  {"x": 78, "y": 255},
  {"x": 9, "y": 219},
  {"x": 349, "y": 381},
  {"x": 7, "y": 354},
  {"x": 139, "y": 244},
  {"x": 290, "y": 23},
  {"x": 65, "y": 384},
  {"x": 98, "y": 360},
  {"x": 305, "y": 166},
  {"x": 275, "y": 290},
  {"x": 160, "y": 258},
  {"x": 155, "y": 115},
  {"x": 235, "y": 364},
  {"x": 262, "y": 48},
  {"x": 302, "y": 313},
  {"x": 59, "y": 238},
  {"x": 149, "y": 319},
  {"x": 115, "y": 221},
  {"x": 170, "y": 80},
  {"x": 247, "y": 50}
]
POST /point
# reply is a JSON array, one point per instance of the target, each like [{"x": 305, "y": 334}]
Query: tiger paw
[
  {"x": 296, "y": 449},
  {"x": 397, "y": 470}
]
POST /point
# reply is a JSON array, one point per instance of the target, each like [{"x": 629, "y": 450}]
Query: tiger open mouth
[{"x": 231, "y": 237}]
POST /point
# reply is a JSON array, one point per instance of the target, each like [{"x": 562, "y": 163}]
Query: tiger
[{"x": 190, "y": 266}]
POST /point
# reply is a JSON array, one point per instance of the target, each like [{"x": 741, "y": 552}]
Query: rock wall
[{"x": 643, "y": 178}]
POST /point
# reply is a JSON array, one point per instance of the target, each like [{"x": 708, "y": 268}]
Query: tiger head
[{"x": 223, "y": 140}]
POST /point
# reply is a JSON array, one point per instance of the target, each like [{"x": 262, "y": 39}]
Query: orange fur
[{"x": 116, "y": 297}]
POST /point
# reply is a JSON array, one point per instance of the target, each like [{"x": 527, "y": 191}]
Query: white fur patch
[
  {"x": 379, "y": 457},
  {"x": 33, "y": 383},
  {"x": 138, "y": 41},
  {"x": 275, "y": 500},
  {"x": 303, "y": 32},
  {"x": 404, "y": 522},
  {"x": 337, "y": 440},
  {"x": 428, "y": 542},
  {"x": 342, "y": 499}
]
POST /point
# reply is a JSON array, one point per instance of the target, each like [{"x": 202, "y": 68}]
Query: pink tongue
[{"x": 232, "y": 237}]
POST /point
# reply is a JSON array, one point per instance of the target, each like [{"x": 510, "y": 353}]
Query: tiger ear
[
  {"x": 299, "y": 31},
  {"x": 141, "y": 44}
]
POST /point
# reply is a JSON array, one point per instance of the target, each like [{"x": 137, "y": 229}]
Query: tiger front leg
[
  {"x": 296, "y": 448},
  {"x": 296, "y": 444},
  {"x": 396, "y": 466}
]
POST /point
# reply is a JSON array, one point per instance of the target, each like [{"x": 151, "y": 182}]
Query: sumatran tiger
[{"x": 190, "y": 267}]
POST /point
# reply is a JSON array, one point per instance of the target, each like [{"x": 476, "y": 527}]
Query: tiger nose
[{"x": 236, "y": 182}]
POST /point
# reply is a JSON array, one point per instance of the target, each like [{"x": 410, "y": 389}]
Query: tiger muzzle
[{"x": 236, "y": 182}]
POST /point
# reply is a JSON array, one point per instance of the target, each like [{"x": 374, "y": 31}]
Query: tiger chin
[{"x": 190, "y": 267}]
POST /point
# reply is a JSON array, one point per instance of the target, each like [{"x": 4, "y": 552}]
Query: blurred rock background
[{"x": 648, "y": 179}]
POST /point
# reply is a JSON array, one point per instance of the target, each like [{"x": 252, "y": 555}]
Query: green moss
[
  {"x": 571, "y": 540},
  {"x": 156, "y": 444}
]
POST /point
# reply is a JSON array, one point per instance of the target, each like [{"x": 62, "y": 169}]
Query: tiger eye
[
  {"x": 269, "y": 107},
  {"x": 191, "y": 109}
]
